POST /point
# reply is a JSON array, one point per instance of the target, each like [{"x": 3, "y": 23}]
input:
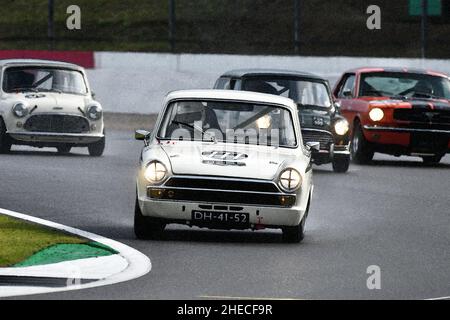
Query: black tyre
[
  {"x": 432, "y": 159},
  {"x": 5, "y": 140},
  {"x": 361, "y": 150},
  {"x": 145, "y": 228},
  {"x": 297, "y": 233},
  {"x": 341, "y": 164},
  {"x": 96, "y": 149},
  {"x": 64, "y": 148}
]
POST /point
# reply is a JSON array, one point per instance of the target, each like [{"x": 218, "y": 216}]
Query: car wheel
[
  {"x": 64, "y": 148},
  {"x": 432, "y": 159},
  {"x": 5, "y": 140},
  {"x": 145, "y": 228},
  {"x": 341, "y": 164},
  {"x": 96, "y": 149},
  {"x": 361, "y": 149},
  {"x": 297, "y": 233}
]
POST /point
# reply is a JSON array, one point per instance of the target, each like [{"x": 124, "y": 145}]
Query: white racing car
[
  {"x": 48, "y": 104},
  {"x": 224, "y": 160}
]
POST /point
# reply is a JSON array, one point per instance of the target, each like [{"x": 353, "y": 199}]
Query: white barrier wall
[{"x": 138, "y": 82}]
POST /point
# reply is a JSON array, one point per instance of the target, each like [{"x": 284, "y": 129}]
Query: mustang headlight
[
  {"x": 155, "y": 172},
  {"x": 20, "y": 110},
  {"x": 341, "y": 127},
  {"x": 376, "y": 114},
  {"x": 94, "y": 112},
  {"x": 290, "y": 180}
]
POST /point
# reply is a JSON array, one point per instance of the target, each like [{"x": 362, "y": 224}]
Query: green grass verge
[
  {"x": 67, "y": 252},
  {"x": 20, "y": 240}
]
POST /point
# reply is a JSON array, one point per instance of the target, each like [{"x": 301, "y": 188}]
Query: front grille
[
  {"x": 423, "y": 116},
  {"x": 325, "y": 138},
  {"x": 216, "y": 196},
  {"x": 222, "y": 190},
  {"x": 57, "y": 123},
  {"x": 222, "y": 184}
]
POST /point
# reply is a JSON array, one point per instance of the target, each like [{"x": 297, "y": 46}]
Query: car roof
[
  {"x": 396, "y": 70},
  {"x": 243, "y": 96},
  {"x": 239, "y": 73},
  {"x": 38, "y": 62}
]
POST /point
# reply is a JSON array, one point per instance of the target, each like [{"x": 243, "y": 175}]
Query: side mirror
[
  {"x": 337, "y": 105},
  {"x": 93, "y": 94},
  {"x": 313, "y": 146},
  {"x": 347, "y": 93},
  {"x": 142, "y": 135}
]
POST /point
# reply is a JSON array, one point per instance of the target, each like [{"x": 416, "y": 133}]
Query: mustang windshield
[
  {"x": 46, "y": 79},
  {"x": 303, "y": 92},
  {"x": 405, "y": 85},
  {"x": 228, "y": 121}
]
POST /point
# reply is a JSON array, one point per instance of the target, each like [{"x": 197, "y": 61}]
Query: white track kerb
[{"x": 127, "y": 265}]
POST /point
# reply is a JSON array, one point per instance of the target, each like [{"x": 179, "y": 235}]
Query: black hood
[{"x": 429, "y": 104}]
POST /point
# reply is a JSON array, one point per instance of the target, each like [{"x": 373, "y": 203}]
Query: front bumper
[
  {"x": 259, "y": 217},
  {"x": 408, "y": 141},
  {"x": 44, "y": 137},
  {"x": 406, "y": 130},
  {"x": 326, "y": 156}
]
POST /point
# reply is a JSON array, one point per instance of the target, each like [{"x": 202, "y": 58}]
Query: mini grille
[
  {"x": 57, "y": 123},
  {"x": 325, "y": 139}
]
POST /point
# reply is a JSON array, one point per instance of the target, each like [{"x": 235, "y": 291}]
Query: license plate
[
  {"x": 427, "y": 142},
  {"x": 226, "y": 218}
]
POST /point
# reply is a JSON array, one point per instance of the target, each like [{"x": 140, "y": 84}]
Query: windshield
[
  {"x": 406, "y": 85},
  {"x": 303, "y": 92},
  {"x": 46, "y": 79},
  {"x": 228, "y": 121}
]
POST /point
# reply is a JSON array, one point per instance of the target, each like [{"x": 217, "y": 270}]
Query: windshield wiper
[
  {"x": 48, "y": 90},
  {"x": 213, "y": 138},
  {"x": 399, "y": 97},
  {"x": 424, "y": 95}
]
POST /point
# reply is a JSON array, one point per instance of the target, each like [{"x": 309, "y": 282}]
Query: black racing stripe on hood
[{"x": 430, "y": 105}]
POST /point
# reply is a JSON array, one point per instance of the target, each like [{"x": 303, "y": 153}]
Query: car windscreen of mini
[
  {"x": 230, "y": 122},
  {"x": 404, "y": 85},
  {"x": 43, "y": 79},
  {"x": 302, "y": 91}
]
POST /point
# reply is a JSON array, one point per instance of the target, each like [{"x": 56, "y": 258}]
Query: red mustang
[{"x": 396, "y": 111}]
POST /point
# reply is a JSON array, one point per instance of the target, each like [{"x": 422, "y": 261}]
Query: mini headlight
[
  {"x": 20, "y": 110},
  {"x": 341, "y": 127},
  {"x": 290, "y": 180},
  {"x": 376, "y": 114},
  {"x": 94, "y": 112},
  {"x": 155, "y": 172}
]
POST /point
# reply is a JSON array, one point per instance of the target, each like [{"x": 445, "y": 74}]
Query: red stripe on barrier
[{"x": 82, "y": 58}]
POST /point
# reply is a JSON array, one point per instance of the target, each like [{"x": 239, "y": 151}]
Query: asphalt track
[{"x": 394, "y": 214}]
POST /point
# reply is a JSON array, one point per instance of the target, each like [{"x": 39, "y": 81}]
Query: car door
[{"x": 345, "y": 93}]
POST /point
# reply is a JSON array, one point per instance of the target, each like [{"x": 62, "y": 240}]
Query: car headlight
[
  {"x": 155, "y": 172},
  {"x": 376, "y": 114},
  {"x": 20, "y": 110},
  {"x": 94, "y": 112},
  {"x": 341, "y": 127},
  {"x": 290, "y": 180}
]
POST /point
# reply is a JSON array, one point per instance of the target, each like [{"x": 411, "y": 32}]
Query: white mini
[{"x": 48, "y": 104}]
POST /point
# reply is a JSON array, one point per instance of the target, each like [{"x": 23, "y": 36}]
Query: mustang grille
[
  {"x": 325, "y": 139},
  {"x": 423, "y": 116},
  {"x": 57, "y": 123}
]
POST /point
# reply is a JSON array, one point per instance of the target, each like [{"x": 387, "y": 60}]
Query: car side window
[
  {"x": 222, "y": 83},
  {"x": 348, "y": 89},
  {"x": 225, "y": 83}
]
